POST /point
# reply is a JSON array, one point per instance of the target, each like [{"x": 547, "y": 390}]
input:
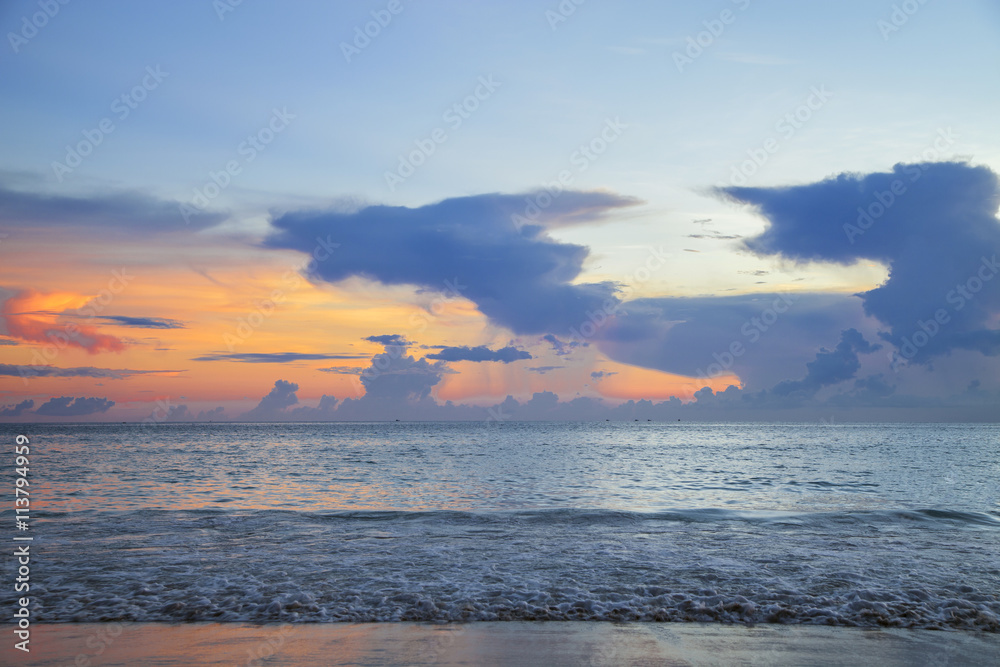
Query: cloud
[
  {"x": 395, "y": 376},
  {"x": 29, "y": 371},
  {"x": 274, "y": 357},
  {"x": 17, "y": 410},
  {"x": 122, "y": 212},
  {"x": 324, "y": 410},
  {"x": 177, "y": 413},
  {"x": 67, "y": 406},
  {"x": 7, "y": 341},
  {"x": 561, "y": 348},
  {"x": 143, "y": 322},
  {"x": 388, "y": 339},
  {"x": 830, "y": 366},
  {"x": 480, "y": 353},
  {"x": 273, "y": 406},
  {"x": 397, "y": 385},
  {"x": 542, "y": 370},
  {"x": 600, "y": 375},
  {"x": 517, "y": 276},
  {"x": 35, "y": 317},
  {"x": 933, "y": 225}
]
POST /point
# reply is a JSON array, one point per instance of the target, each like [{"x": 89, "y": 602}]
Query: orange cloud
[{"x": 34, "y": 317}]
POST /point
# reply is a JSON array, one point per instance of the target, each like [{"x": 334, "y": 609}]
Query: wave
[{"x": 917, "y": 568}]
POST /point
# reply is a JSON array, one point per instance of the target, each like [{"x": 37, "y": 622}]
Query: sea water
[{"x": 856, "y": 524}]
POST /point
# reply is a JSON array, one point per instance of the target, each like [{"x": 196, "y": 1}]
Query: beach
[{"x": 513, "y": 643}]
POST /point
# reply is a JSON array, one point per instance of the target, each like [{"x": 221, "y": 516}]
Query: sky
[{"x": 728, "y": 210}]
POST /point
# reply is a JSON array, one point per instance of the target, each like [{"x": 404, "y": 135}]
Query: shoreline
[{"x": 493, "y": 643}]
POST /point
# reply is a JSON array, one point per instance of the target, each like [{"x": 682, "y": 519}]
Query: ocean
[{"x": 883, "y": 525}]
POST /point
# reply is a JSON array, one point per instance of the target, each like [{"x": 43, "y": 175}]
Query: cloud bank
[{"x": 68, "y": 406}]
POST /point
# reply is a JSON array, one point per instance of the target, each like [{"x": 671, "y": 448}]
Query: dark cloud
[
  {"x": 273, "y": 406},
  {"x": 67, "y": 406},
  {"x": 17, "y": 410},
  {"x": 123, "y": 212},
  {"x": 517, "y": 276},
  {"x": 29, "y": 372},
  {"x": 600, "y": 375},
  {"x": 933, "y": 225},
  {"x": 762, "y": 338},
  {"x": 480, "y": 353},
  {"x": 830, "y": 366},
  {"x": 143, "y": 322},
  {"x": 273, "y": 357}
]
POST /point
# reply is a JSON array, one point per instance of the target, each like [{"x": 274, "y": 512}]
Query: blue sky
[{"x": 873, "y": 83}]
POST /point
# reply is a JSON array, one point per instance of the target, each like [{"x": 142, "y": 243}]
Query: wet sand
[{"x": 508, "y": 643}]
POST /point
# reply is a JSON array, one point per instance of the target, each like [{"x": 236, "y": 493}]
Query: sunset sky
[{"x": 385, "y": 210}]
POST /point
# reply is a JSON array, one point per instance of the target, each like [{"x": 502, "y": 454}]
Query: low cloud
[
  {"x": 18, "y": 409},
  {"x": 68, "y": 406},
  {"x": 274, "y": 404}
]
